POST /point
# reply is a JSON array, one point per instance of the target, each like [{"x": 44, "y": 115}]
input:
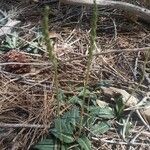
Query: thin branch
[
  {"x": 140, "y": 12},
  {"x": 119, "y": 142},
  {"x": 10, "y": 125},
  {"x": 112, "y": 51}
]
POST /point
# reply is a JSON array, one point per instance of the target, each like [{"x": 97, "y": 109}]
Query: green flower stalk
[
  {"x": 50, "y": 50},
  {"x": 90, "y": 57}
]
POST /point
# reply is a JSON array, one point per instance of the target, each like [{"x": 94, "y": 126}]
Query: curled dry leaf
[
  {"x": 146, "y": 112},
  {"x": 7, "y": 28},
  {"x": 128, "y": 99},
  {"x": 107, "y": 92},
  {"x": 101, "y": 104},
  {"x": 54, "y": 35}
]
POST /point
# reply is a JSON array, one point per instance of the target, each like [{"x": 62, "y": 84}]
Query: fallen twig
[
  {"x": 112, "y": 51},
  {"x": 10, "y": 125},
  {"x": 140, "y": 12}
]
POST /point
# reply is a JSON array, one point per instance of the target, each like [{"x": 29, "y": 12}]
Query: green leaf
[
  {"x": 63, "y": 137},
  {"x": 119, "y": 108},
  {"x": 46, "y": 144},
  {"x": 85, "y": 143},
  {"x": 66, "y": 125},
  {"x": 105, "y": 83},
  {"x": 72, "y": 116},
  {"x": 87, "y": 93},
  {"x": 80, "y": 88},
  {"x": 62, "y": 126},
  {"x": 100, "y": 128},
  {"x": 61, "y": 96},
  {"x": 64, "y": 147},
  {"x": 93, "y": 96},
  {"x": 44, "y": 147},
  {"x": 77, "y": 148},
  {"x": 76, "y": 100},
  {"x": 74, "y": 146},
  {"x": 89, "y": 120},
  {"x": 126, "y": 128},
  {"x": 106, "y": 112}
]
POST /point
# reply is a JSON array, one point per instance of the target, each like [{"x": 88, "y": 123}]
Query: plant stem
[
  {"x": 90, "y": 57},
  {"x": 50, "y": 50}
]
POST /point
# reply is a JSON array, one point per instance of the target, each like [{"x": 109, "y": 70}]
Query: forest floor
[{"x": 120, "y": 67}]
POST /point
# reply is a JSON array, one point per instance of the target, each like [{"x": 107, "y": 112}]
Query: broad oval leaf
[
  {"x": 46, "y": 144},
  {"x": 85, "y": 93},
  {"x": 75, "y": 100},
  {"x": 106, "y": 112},
  {"x": 64, "y": 137},
  {"x": 64, "y": 147},
  {"x": 85, "y": 143},
  {"x": 100, "y": 128}
]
